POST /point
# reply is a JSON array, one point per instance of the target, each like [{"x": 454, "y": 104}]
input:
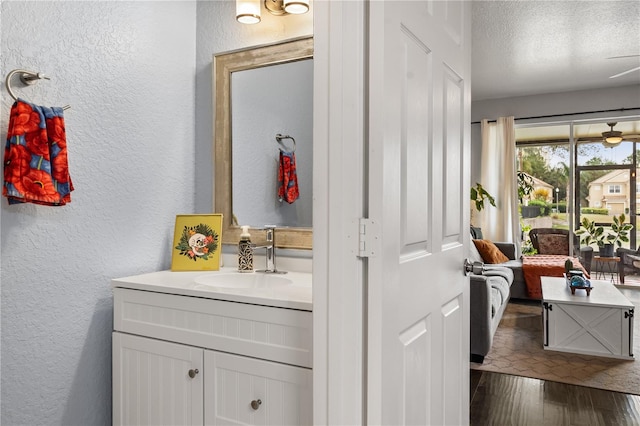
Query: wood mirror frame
[{"x": 223, "y": 65}]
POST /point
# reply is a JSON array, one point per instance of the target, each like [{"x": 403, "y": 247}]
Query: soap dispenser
[{"x": 245, "y": 251}]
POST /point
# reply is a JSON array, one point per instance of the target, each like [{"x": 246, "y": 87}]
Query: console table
[{"x": 599, "y": 324}]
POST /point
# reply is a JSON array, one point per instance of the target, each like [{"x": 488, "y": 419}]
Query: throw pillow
[{"x": 490, "y": 252}]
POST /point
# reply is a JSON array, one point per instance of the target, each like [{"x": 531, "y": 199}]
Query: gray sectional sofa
[
  {"x": 490, "y": 293},
  {"x": 492, "y": 290}
]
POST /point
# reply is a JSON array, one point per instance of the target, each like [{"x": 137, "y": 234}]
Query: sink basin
[{"x": 240, "y": 280}]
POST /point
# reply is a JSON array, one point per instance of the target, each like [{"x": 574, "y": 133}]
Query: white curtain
[{"x": 498, "y": 177}]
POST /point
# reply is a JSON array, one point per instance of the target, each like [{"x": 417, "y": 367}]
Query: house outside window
[{"x": 614, "y": 189}]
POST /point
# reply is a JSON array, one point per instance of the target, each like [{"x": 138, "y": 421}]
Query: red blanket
[{"x": 544, "y": 265}]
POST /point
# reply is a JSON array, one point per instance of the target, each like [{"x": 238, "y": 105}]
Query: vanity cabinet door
[
  {"x": 246, "y": 391},
  {"x": 156, "y": 382}
]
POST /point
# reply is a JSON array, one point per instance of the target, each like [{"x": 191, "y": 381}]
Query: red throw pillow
[{"x": 490, "y": 252}]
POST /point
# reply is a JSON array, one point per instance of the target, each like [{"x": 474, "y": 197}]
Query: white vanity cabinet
[{"x": 186, "y": 360}]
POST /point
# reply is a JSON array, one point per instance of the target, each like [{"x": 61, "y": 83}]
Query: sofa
[{"x": 491, "y": 290}]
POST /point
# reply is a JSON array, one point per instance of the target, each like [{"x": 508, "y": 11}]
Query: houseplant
[
  {"x": 590, "y": 233},
  {"x": 478, "y": 197},
  {"x": 619, "y": 232}
]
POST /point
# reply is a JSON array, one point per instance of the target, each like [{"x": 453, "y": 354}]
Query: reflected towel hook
[
  {"x": 28, "y": 78},
  {"x": 279, "y": 138}
]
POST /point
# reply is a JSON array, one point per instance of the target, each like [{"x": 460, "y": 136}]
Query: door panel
[
  {"x": 246, "y": 391},
  {"x": 151, "y": 382},
  {"x": 453, "y": 126},
  {"x": 415, "y": 72},
  {"x": 418, "y": 314}
]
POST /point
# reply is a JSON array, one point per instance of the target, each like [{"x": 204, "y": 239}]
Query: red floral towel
[
  {"x": 35, "y": 156},
  {"x": 542, "y": 265},
  {"x": 287, "y": 178}
]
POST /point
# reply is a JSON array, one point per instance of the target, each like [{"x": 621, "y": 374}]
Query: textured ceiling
[{"x": 533, "y": 47}]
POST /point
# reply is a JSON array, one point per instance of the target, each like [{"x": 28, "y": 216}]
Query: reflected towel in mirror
[{"x": 287, "y": 178}]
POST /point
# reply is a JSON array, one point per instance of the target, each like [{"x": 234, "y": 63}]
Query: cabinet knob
[
  {"x": 193, "y": 373},
  {"x": 255, "y": 404}
]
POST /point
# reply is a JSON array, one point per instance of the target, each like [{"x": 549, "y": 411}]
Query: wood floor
[{"x": 502, "y": 399}]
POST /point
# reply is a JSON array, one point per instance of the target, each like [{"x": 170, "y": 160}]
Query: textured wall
[
  {"x": 127, "y": 69},
  {"x": 218, "y": 32}
]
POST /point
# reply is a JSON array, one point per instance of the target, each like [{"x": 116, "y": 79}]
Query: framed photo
[{"x": 197, "y": 242}]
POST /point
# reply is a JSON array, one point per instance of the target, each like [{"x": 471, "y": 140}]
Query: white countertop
[{"x": 296, "y": 295}]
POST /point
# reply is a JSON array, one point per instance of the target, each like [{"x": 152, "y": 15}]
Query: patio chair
[
  {"x": 550, "y": 240},
  {"x": 629, "y": 263},
  {"x": 556, "y": 242}
]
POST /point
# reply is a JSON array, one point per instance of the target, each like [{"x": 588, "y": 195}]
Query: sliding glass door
[
  {"x": 606, "y": 183},
  {"x": 572, "y": 171},
  {"x": 543, "y": 159}
]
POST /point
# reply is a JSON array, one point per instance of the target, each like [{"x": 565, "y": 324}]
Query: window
[{"x": 582, "y": 171}]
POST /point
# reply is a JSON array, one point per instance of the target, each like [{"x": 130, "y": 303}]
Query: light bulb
[
  {"x": 248, "y": 11},
  {"x": 296, "y": 7},
  {"x": 614, "y": 139}
]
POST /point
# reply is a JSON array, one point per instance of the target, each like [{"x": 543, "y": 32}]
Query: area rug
[{"x": 517, "y": 349}]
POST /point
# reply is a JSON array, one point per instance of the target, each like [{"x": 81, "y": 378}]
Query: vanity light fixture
[{"x": 248, "y": 11}]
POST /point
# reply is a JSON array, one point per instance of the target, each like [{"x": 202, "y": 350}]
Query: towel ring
[
  {"x": 28, "y": 78},
  {"x": 279, "y": 138}
]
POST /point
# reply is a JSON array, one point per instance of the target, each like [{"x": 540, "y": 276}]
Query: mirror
[{"x": 289, "y": 234}]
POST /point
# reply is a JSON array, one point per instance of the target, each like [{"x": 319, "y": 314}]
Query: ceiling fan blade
[
  {"x": 623, "y": 56},
  {"x": 625, "y": 72},
  {"x": 590, "y": 139}
]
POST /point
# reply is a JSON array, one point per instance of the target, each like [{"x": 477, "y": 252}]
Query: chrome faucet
[{"x": 270, "y": 246}]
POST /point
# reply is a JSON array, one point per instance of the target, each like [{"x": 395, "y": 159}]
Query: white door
[{"x": 419, "y": 132}]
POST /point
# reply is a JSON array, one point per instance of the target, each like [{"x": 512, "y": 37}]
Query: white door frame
[
  {"x": 338, "y": 188},
  {"x": 339, "y": 158}
]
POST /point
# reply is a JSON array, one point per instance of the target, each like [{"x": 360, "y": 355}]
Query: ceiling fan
[
  {"x": 612, "y": 138},
  {"x": 627, "y": 71}
]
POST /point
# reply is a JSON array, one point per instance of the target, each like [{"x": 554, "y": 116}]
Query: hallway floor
[{"x": 502, "y": 399}]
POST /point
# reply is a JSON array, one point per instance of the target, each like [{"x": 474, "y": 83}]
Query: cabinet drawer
[
  {"x": 241, "y": 390},
  {"x": 277, "y": 334}
]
